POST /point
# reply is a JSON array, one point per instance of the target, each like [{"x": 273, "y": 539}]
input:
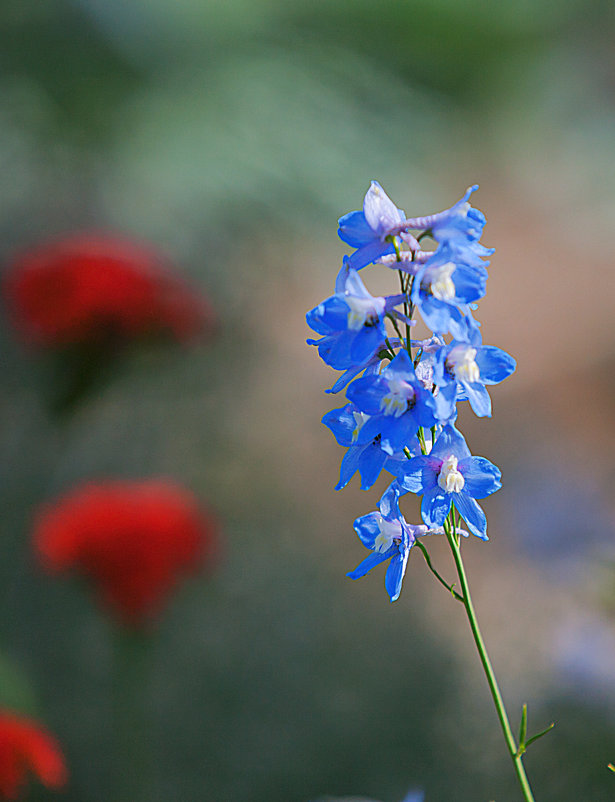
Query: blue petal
[
  {"x": 329, "y": 316},
  {"x": 380, "y": 212},
  {"x": 435, "y": 506},
  {"x": 369, "y": 253},
  {"x": 335, "y": 350},
  {"x": 367, "y": 528},
  {"x": 439, "y": 316},
  {"x": 367, "y": 393},
  {"x": 401, "y": 368},
  {"x": 450, "y": 442},
  {"x": 481, "y": 476},
  {"x": 366, "y": 342},
  {"x": 389, "y": 503},
  {"x": 354, "y": 229},
  {"x": 418, "y": 475},
  {"x": 345, "y": 378},
  {"x": 479, "y": 398},
  {"x": 445, "y": 402},
  {"x": 395, "y": 574},
  {"x": 375, "y": 558},
  {"x": 472, "y": 514},
  {"x": 342, "y": 423},
  {"x": 494, "y": 364},
  {"x": 470, "y": 284},
  {"x": 349, "y": 466},
  {"x": 396, "y": 432},
  {"x": 371, "y": 462}
]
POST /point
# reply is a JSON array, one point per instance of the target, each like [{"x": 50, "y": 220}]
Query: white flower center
[
  {"x": 389, "y": 531},
  {"x": 462, "y": 363},
  {"x": 362, "y": 312},
  {"x": 398, "y": 399},
  {"x": 449, "y": 478},
  {"x": 442, "y": 286},
  {"x": 360, "y": 418}
]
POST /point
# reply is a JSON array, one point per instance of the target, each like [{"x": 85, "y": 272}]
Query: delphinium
[{"x": 403, "y": 393}]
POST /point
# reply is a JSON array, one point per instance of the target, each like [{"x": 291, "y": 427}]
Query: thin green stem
[
  {"x": 450, "y": 588},
  {"x": 487, "y": 667}
]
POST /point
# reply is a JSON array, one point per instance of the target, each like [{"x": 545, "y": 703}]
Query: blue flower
[
  {"x": 397, "y": 403},
  {"x": 461, "y": 223},
  {"x": 352, "y": 322},
  {"x": 449, "y": 474},
  {"x": 414, "y": 796},
  {"x": 369, "y": 229},
  {"x": 367, "y": 458},
  {"x": 390, "y": 537},
  {"x": 462, "y": 370},
  {"x": 444, "y": 287}
]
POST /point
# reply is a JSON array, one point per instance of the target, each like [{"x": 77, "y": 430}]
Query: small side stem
[
  {"x": 487, "y": 667},
  {"x": 450, "y": 588}
]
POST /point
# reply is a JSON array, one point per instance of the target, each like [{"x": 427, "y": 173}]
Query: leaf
[
  {"x": 539, "y": 735},
  {"x": 523, "y": 727}
]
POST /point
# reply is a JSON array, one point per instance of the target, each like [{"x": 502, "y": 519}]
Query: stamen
[
  {"x": 442, "y": 286},
  {"x": 461, "y": 362},
  {"x": 399, "y": 398},
  {"x": 390, "y": 531},
  {"x": 360, "y": 418},
  {"x": 362, "y": 312},
  {"x": 449, "y": 478}
]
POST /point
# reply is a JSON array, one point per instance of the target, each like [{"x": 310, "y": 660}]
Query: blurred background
[{"x": 230, "y": 137}]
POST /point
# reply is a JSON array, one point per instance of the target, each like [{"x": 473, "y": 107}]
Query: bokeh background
[{"x": 232, "y": 136}]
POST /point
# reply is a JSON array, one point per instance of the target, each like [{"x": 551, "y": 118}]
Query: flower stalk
[
  {"x": 401, "y": 413},
  {"x": 515, "y": 753}
]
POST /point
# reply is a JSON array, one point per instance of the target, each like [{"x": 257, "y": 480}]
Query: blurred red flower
[
  {"x": 26, "y": 746},
  {"x": 134, "y": 539},
  {"x": 89, "y": 287}
]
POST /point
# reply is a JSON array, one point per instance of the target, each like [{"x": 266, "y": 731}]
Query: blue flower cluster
[{"x": 403, "y": 393}]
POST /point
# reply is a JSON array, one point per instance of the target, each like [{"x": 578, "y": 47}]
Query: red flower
[
  {"x": 132, "y": 538},
  {"x": 86, "y": 288},
  {"x": 26, "y": 746}
]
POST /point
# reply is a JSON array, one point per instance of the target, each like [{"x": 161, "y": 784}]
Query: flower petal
[
  {"x": 395, "y": 574},
  {"x": 472, "y": 513}
]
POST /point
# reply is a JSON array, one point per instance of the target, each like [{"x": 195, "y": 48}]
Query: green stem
[
  {"x": 450, "y": 588},
  {"x": 488, "y": 669}
]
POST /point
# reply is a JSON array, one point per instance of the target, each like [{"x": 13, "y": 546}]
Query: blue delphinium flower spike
[{"x": 449, "y": 474}]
